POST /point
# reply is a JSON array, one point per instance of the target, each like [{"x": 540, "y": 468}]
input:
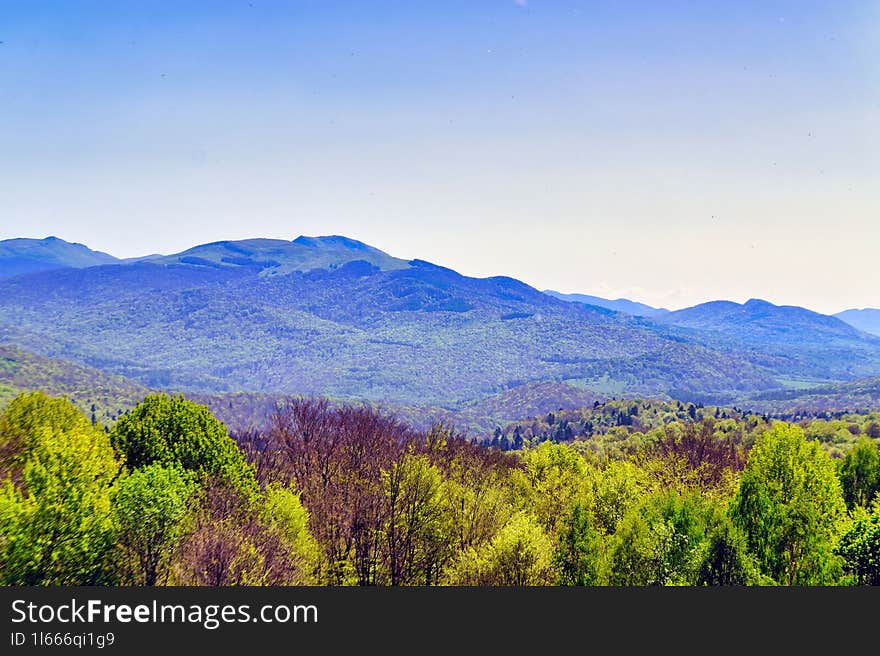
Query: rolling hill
[
  {"x": 277, "y": 257},
  {"x": 91, "y": 390},
  {"x": 18, "y": 256},
  {"x": 108, "y": 396},
  {"x": 333, "y": 316},
  {"x": 867, "y": 319},
  {"x": 618, "y": 305},
  {"x": 793, "y": 341},
  {"x": 858, "y": 395}
]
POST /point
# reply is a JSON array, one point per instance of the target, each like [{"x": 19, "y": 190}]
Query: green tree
[
  {"x": 859, "y": 546},
  {"x": 22, "y": 421},
  {"x": 860, "y": 473},
  {"x": 616, "y": 489},
  {"x": 285, "y": 518},
  {"x": 148, "y": 509},
  {"x": 170, "y": 430},
  {"x": 726, "y": 560},
  {"x": 789, "y": 505},
  {"x": 520, "y": 554},
  {"x": 55, "y": 519},
  {"x": 578, "y": 554},
  {"x": 553, "y": 478},
  {"x": 476, "y": 502},
  {"x": 239, "y": 538},
  {"x": 661, "y": 541}
]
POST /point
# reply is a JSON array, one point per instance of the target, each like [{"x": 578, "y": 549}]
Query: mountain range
[
  {"x": 618, "y": 305},
  {"x": 19, "y": 256},
  {"x": 334, "y": 316},
  {"x": 866, "y": 319}
]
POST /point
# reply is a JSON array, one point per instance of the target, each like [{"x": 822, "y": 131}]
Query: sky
[{"x": 668, "y": 152}]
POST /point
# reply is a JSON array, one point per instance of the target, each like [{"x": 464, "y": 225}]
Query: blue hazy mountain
[
  {"x": 277, "y": 257},
  {"x": 762, "y": 321},
  {"x": 618, "y": 305},
  {"x": 867, "y": 319},
  {"x": 334, "y": 316},
  {"x": 809, "y": 345},
  {"x": 18, "y": 256}
]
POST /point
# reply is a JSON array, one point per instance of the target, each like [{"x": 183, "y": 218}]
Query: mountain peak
[
  {"x": 24, "y": 255},
  {"x": 757, "y": 319},
  {"x": 270, "y": 257},
  {"x": 332, "y": 240}
]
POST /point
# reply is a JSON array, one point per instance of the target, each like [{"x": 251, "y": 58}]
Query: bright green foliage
[
  {"x": 860, "y": 473},
  {"x": 859, "y": 546},
  {"x": 615, "y": 429},
  {"x": 616, "y": 489},
  {"x": 22, "y": 420},
  {"x": 287, "y": 519},
  {"x": 398, "y": 507},
  {"x": 55, "y": 521},
  {"x": 789, "y": 505},
  {"x": 148, "y": 509},
  {"x": 664, "y": 541},
  {"x": 170, "y": 430},
  {"x": 94, "y": 392},
  {"x": 520, "y": 554},
  {"x": 578, "y": 555},
  {"x": 554, "y": 477}
]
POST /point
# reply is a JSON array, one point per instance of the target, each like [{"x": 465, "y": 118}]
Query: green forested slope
[
  {"x": 92, "y": 391},
  {"x": 368, "y": 326}
]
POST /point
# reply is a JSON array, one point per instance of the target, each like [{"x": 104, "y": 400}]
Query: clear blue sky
[{"x": 671, "y": 152}]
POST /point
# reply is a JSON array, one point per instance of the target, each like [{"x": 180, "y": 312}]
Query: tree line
[{"x": 344, "y": 495}]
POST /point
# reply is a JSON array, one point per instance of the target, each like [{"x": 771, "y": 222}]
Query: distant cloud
[{"x": 520, "y": 3}]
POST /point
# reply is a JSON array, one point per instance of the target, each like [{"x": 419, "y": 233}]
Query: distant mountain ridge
[
  {"x": 760, "y": 321},
  {"x": 19, "y": 256},
  {"x": 268, "y": 256},
  {"x": 867, "y": 319},
  {"x": 334, "y": 316},
  {"x": 278, "y": 257},
  {"x": 618, "y": 305}
]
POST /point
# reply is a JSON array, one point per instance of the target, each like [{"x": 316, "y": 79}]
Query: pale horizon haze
[{"x": 670, "y": 153}]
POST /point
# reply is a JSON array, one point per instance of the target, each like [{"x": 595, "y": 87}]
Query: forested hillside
[
  {"x": 618, "y": 305},
  {"x": 866, "y": 319},
  {"x": 623, "y": 426},
  {"x": 101, "y": 396},
  {"x": 345, "y": 495},
  {"x": 863, "y": 394},
  {"x": 339, "y": 416},
  {"x": 335, "y": 317},
  {"x": 20, "y": 256},
  {"x": 805, "y": 345},
  {"x": 421, "y": 334}
]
